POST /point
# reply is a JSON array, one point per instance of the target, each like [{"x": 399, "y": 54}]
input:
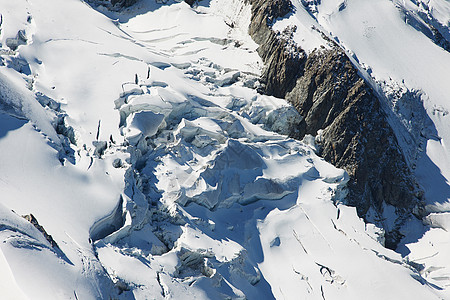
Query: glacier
[{"x": 140, "y": 141}]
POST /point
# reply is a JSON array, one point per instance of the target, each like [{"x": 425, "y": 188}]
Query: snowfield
[{"x": 139, "y": 142}]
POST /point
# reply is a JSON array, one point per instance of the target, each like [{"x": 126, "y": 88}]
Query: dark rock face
[
  {"x": 123, "y": 3},
  {"x": 30, "y": 218},
  {"x": 328, "y": 92},
  {"x": 282, "y": 59},
  {"x": 356, "y": 136},
  {"x": 439, "y": 39},
  {"x": 128, "y": 3}
]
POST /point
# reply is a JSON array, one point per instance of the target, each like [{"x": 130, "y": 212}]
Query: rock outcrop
[
  {"x": 128, "y": 3},
  {"x": 32, "y": 219},
  {"x": 342, "y": 110},
  {"x": 281, "y": 57},
  {"x": 123, "y": 3}
]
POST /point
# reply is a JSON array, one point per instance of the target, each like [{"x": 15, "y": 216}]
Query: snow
[
  {"x": 307, "y": 36},
  {"x": 307, "y": 246},
  {"x": 179, "y": 180}
]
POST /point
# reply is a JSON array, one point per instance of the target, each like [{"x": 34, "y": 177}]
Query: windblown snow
[{"x": 139, "y": 142}]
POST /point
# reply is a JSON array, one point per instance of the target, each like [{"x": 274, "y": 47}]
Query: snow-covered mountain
[{"x": 240, "y": 149}]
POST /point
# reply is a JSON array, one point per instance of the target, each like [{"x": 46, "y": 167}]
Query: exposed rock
[
  {"x": 123, "y": 3},
  {"x": 128, "y": 3},
  {"x": 281, "y": 57},
  {"x": 30, "y": 218},
  {"x": 439, "y": 39},
  {"x": 355, "y": 135}
]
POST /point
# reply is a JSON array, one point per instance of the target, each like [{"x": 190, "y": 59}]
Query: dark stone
[
  {"x": 439, "y": 39},
  {"x": 356, "y": 136},
  {"x": 281, "y": 57},
  {"x": 30, "y": 218},
  {"x": 123, "y": 3}
]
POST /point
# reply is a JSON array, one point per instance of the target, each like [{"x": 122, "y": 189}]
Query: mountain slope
[{"x": 142, "y": 144}]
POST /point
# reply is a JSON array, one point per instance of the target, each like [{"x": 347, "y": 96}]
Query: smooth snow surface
[{"x": 140, "y": 144}]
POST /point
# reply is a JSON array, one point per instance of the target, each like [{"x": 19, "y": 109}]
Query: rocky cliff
[
  {"x": 343, "y": 111},
  {"x": 123, "y": 3},
  {"x": 128, "y": 3}
]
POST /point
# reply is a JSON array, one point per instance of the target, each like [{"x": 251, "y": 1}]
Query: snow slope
[{"x": 140, "y": 143}]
